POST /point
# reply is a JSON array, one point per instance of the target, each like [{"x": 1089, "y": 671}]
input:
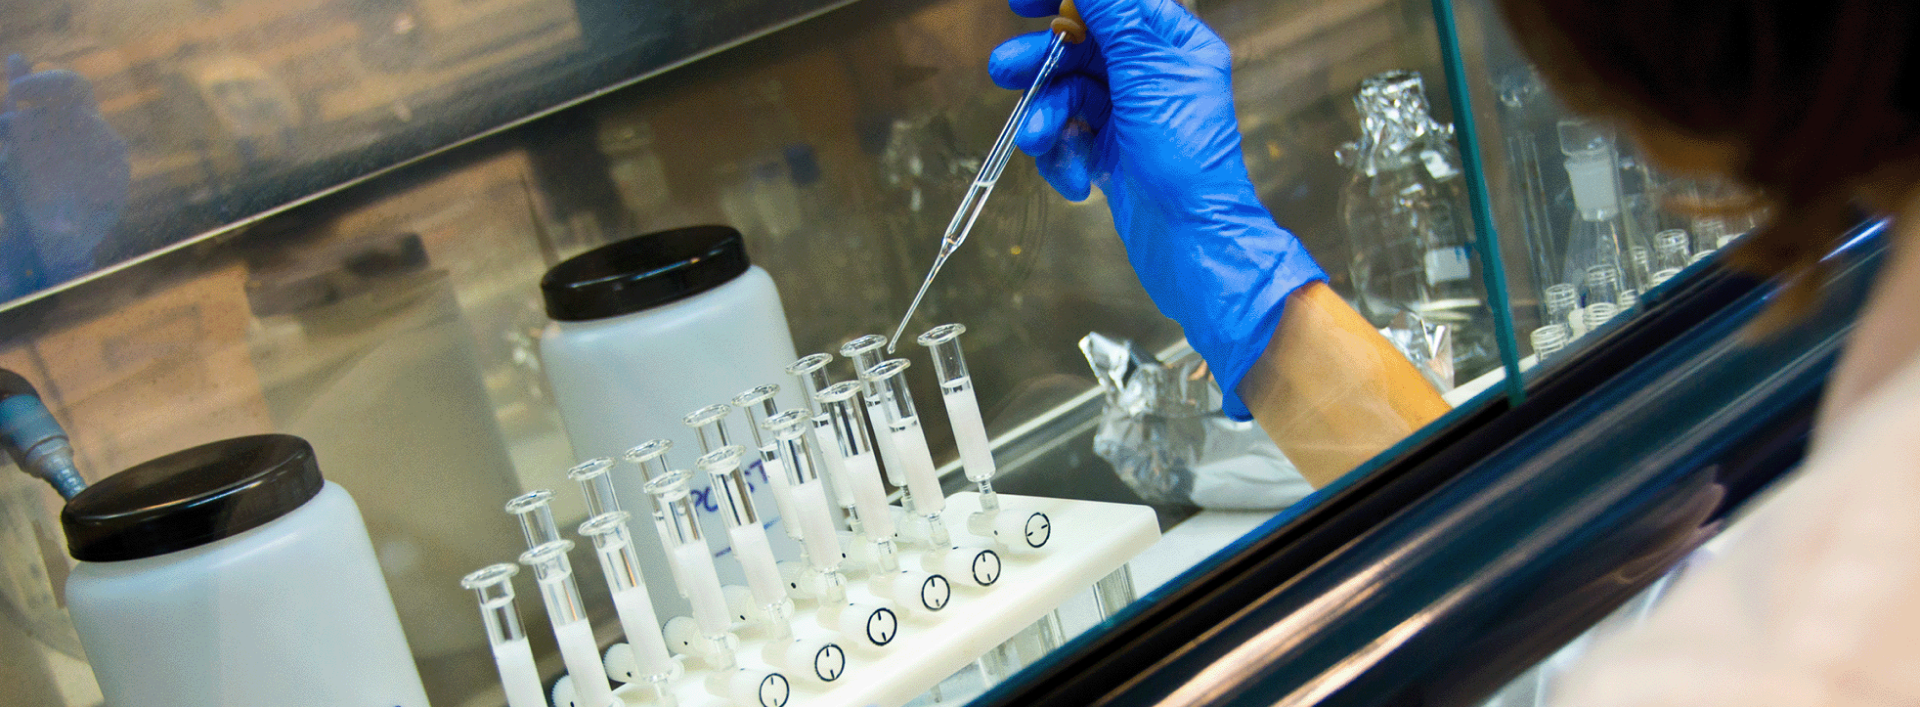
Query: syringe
[
  {"x": 1067, "y": 29},
  {"x": 696, "y": 565},
  {"x": 863, "y": 475},
  {"x": 811, "y": 372},
  {"x": 651, "y": 457},
  {"x": 570, "y": 627},
  {"x": 493, "y": 585},
  {"x": 812, "y": 514},
  {"x": 759, "y": 405},
  {"x": 621, "y": 567},
  {"x": 1019, "y": 531},
  {"x": 901, "y": 421},
  {"x": 748, "y": 537}
]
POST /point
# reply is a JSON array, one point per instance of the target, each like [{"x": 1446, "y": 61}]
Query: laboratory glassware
[
  {"x": 1067, "y": 29},
  {"x": 758, "y": 405},
  {"x": 856, "y": 455},
  {"x": 690, "y": 551},
  {"x": 1405, "y": 212},
  {"x": 710, "y": 425},
  {"x": 748, "y": 537},
  {"x": 864, "y": 354},
  {"x": 813, "y": 515},
  {"x": 596, "y": 485},
  {"x": 512, "y": 654},
  {"x": 811, "y": 372},
  {"x": 1669, "y": 254},
  {"x": 963, "y": 409},
  {"x": 578, "y": 649},
  {"x": 534, "y": 510},
  {"x": 1548, "y": 340},
  {"x": 651, "y": 457},
  {"x": 1597, "y": 236},
  {"x": 620, "y": 564},
  {"x": 902, "y": 424}
]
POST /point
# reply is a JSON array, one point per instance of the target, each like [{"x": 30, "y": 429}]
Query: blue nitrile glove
[
  {"x": 64, "y": 172},
  {"x": 1144, "y": 110}
]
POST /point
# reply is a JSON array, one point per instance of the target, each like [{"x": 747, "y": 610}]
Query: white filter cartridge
[
  {"x": 911, "y": 443},
  {"x": 816, "y": 523},
  {"x": 756, "y": 557},
  {"x": 709, "y": 601},
  {"x": 870, "y": 496},
  {"x": 970, "y": 433},
  {"x": 518, "y": 674}
]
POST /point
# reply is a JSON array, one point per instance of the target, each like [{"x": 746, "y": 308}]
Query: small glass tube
[
  {"x": 534, "y": 509},
  {"x": 1548, "y": 341},
  {"x": 578, "y": 649},
  {"x": 1599, "y": 313},
  {"x": 910, "y": 443},
  {"x": 619, "y": 563},
  {"x": 519, "y": 676},
  {"x": 690, "y": 551},
  {"x": 865, "y": 353},
  {"x": 963, "y": 409},
  {"x": 811, "y": 372},
  {"x": 758, "y": 404},
  {"x": 1561, "y": 301},
  {"x": 710, "y": 424},
  {"x": 748, "y": 536},
  {"x": 812, "y": 514},
  {"x": 1603, "y": 285},
  {"x": 1670, "y": 254},
  {"x": 863, "y": 474},
  {"x": 651, "y": 457},
  {"x": 596, "y": 483}
]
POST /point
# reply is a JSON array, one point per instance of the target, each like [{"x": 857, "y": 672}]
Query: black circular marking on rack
[
  {"x": 774, "y": 691},
  {"x": 829, "y": 663},
  {"x": 986, "y": 568},
  {"x": 882, "y": 626},
  {"x": 1039, "y": 533},
  {"x": 935, "y": 592}
]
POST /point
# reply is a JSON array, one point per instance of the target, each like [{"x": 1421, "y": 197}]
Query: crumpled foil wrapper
[
  {"x": 1397, "y": 125},
  {"x": 1429, "y": 346},
  {"x": 1164, "y": 434}
]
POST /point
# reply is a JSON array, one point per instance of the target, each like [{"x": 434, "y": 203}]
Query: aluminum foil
[
  {"x": 1429, "y": 346},
  {"x": 1396, "y": 127},
  {"x": 1164, "y": 434}
]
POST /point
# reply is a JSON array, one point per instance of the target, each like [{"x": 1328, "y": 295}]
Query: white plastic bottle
[
  {"x": 232, "y": 575},
  {"x": 647, "y": 329}
]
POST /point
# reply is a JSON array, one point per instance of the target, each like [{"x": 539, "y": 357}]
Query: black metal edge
[{"x": 1097, "y": 665}]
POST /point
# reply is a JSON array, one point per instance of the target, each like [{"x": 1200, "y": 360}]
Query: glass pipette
[{"x": 1067, "y": 29}]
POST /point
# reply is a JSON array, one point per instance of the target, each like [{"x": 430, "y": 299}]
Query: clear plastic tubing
[
  {"x": 759, "y": 405},
  {"x": 910, "y": 444},
  {"x": 812, "y": 514},
  {"x": 863, "y": 473},
  {"x": 534, "y": 509},
  {"x": 710, "y": 424},
  {"x": 570, "y": 626},
  {"x": 811, "y": 372},
  {"x": 963, "y": 409},
  {"x": 512, "y": 654},
  {"x": 865, "y": 353},
  {"x": 749, "y": 538},
  {"x": 689, "y": 550},
  {"x": 651, "y": 457},
  {"x": 621, "y": 566}
]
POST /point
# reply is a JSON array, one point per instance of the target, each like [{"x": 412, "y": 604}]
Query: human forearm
[{"x": 1331, "y": 391}]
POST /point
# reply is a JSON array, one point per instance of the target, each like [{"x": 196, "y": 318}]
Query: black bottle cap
[
  {"x": 643, "y": 272},
  {"x": 190, "y": 498}
]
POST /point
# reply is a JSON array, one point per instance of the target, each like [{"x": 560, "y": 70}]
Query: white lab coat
[{"x": 1816, "y": 601}]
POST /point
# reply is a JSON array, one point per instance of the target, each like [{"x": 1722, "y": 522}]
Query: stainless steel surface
[{"x": 837, "y": 146}]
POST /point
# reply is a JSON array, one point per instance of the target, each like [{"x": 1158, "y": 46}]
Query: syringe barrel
[
  {"x": 613, "y": 541},
  {"x": 596, "y": 483},
  {"x": 789, "y": 432},
  {"x": 534, "y": 510},
  {"x": 710, "y": 425},
  {"x": 682, "y": 521},
  {"x": 865, "y": 352},
  {"x": 758, "y": 403},
  {"x": 891, "y": 378},
  {"x": 847, "y": 419},
  {"x": 730, "y": 485},
  {"x": 811, "y": 372},
  {"x": 651, "y": 457},
  {"x": 949, "y": 363},
  {"x": 555, "y": 576},
  {"x": 493, "y": 586}
]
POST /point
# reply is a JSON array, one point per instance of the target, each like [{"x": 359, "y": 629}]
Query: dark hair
[{"x": 1818, "y": 95}]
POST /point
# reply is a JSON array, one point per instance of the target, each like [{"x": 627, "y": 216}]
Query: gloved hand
[{"x": 1144, "y": 110}]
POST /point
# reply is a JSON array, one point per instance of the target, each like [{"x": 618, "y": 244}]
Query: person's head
[{"x": 1811, "y": 103}]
